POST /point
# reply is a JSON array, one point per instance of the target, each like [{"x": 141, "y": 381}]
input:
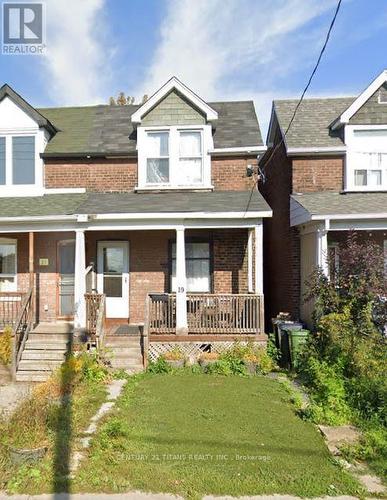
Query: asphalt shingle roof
[
  {"x": 310, "y": 128},
  {"x": 105, "y": 203},
  {"x": 108, "y": 129},
  {"x": 327, "y": 203}
]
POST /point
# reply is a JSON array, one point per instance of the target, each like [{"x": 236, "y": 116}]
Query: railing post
[{"x": 14, "y": 354}]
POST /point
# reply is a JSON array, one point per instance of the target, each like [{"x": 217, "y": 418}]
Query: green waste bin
[
  {"x": 297, "y": 339},
  {"x": 284, "y": 329}
]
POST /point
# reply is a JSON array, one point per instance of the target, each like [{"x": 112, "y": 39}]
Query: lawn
[{"x": 196, "y": 434}]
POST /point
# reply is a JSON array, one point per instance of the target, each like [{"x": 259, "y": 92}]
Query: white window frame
[
  {"x": 385, "y": 257},
  {"x": 9, "y": 188},
  {"x": 353, "y": 149},
  {"x": 172, "y": 278},
  {"x": 10, "y": 241},
  {"x": 174, "y": 156}
]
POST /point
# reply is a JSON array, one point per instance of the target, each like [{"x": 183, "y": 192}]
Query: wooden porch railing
[
  {"x": 95, "y": 317},
  {"x": 10, "y": 303},
  {"x": 21, "y": 328},
  {"x": 237, "y": 314}
]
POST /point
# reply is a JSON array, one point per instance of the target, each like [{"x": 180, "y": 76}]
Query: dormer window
[
  {"x": 174, "y": 157},
  {"x": 366, "y": 163},
  {"x": 17, "y": 160}
]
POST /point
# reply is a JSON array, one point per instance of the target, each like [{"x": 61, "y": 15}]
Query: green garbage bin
[
  {"x": 298, "y": 339},
  {"x": 284, "y": 334}
]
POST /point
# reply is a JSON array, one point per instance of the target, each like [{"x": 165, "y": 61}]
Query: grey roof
[
  {"x": 99, "y": 130},
  {"x": 105, "y": 203},
  {"x": 311, "y": 127},
  {"x": 49, "y": 204},
  {"x": 328, "y": 203},
  {"x": 217, "y": 201}
]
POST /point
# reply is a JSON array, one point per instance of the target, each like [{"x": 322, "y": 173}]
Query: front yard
[{"x": 196, "y": 434}]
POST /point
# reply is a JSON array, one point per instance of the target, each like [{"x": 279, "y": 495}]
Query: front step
[
  {"x": 28, "y": 376},
  {"x": 125, "y": 352}
]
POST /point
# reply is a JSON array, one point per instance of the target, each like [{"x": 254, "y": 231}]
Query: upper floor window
[
  {"x": 366, "y": 167},
  {"x": 17, "y": 160},
  {"x": 174, "y": 157}
]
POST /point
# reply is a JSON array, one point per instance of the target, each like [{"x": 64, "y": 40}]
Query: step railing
[
  {"x": 10, "y": 303},
  {"x": 95, "y": 317},
  {"x": 23, "y": 325},
  {"x": 223, "y": 314}
]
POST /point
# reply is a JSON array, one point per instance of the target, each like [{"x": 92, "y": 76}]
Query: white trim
[
  {"x": 350, "y": 216},
  {"x": 361, "y": 100},
  {"x": 258, "y": 233},
  {"x": 236, "y": 150},
  {"x": 174, "y": 83},
  {"x": 250, "y": 257},
  {"x": 184, "y": 215},
  {"x": 170, "y": 188},
  {"x": 328, "y": 150},
  {"x": 64, "y": 190},
  {"x": 322, "y": 249}
]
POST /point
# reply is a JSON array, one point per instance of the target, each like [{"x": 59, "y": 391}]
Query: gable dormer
[
  {"x": 174, "y": 137},
  {"x": 365, "y": 137},
  {"x": 24, "y": 133}
]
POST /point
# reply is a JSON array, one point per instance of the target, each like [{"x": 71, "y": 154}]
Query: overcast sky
[{"x": 222, "y": 49}]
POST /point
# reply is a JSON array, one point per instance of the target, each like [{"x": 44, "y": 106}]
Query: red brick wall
[
  {"x": 317, "y": 174},
  {"x": 94, "y": 175},
  {"x": 281, "y": 243},
  {"x": 121, "y": 174},
  {"x": 230, "y": 261},
  {"x": 229, "y": 174}
]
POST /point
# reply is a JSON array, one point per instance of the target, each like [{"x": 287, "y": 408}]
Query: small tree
[{"x": 358, "y": 284}]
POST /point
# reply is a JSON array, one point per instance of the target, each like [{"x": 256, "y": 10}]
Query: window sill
[
  {"x": 157, "y": 189},
  {"x": 366, "y": 189}
]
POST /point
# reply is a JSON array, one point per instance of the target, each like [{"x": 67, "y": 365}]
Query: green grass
[{"x": 195, "y": 434}]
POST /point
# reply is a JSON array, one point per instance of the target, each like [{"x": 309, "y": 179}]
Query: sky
[{"x": 222, "y": 49}]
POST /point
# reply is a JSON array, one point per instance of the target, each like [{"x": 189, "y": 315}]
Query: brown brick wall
[
  {"x": 229, "y": 174},
  {"x": 96, "y": 175},
  {"x": 281, "y": 243},
  {"x": 318, "y": 174},
  {"x": 121, "y": 175}
]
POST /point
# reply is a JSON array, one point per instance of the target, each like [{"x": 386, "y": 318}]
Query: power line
[{"x": 301, "y": 98}]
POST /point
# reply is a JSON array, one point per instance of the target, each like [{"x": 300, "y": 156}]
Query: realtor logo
[{"x": 23, "y": 28}]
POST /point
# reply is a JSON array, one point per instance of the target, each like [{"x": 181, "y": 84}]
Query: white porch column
[
  {"x": 250, "y": 257},
  {"x": 181, "y": 284},
  {"x": 322, "y": 250},
  {"x": 80, "y": 280},
  {"x": 258, "y": 231}
]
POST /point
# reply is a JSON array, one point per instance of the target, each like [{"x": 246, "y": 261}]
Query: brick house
[
  {"x": 147, "y": 209},
  {"x": 326, "y": 177}
]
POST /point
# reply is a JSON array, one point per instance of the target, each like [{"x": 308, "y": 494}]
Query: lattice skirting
[{"x": 191, "y": 350}]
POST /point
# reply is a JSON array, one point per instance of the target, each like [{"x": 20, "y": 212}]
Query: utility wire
[{"x": 300, "y": 100}]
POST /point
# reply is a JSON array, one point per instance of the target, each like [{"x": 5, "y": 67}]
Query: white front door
[{"x": 113, "y": 277}]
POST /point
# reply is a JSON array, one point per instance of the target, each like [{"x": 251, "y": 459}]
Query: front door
[
  {"x": 66, "y": 260},
  {"x": 113, "y": 277}
]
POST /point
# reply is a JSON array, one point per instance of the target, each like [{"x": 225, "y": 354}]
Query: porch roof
[
  {"x": 132, "y": 203},
  {"x": 309, "y": 206}
]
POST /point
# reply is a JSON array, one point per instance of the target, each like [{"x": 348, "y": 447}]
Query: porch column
[
  {"x": 80, "y": 280},
  {"x": 181, "y": 284},
  {"x": 322, "y": 250},
  {"x": 250, "y": 257},
  {"x": 258, "y": 231}
]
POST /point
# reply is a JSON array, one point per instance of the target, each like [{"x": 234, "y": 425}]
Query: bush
[
  {"x": 159, "y": 366},
  {"x": 174, "y": 354},
  {"x": 6, "y": 346}
]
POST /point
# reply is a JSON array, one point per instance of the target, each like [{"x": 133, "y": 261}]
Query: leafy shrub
[
  {"x": 159, "y": 366},
  {"x": 6, "y": 346},
  {"x": 174, "y": 354},
  {"x": 221, "y": 367},
  {"x": 208, "y": 356}
]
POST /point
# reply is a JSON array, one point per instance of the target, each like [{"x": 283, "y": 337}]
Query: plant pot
[
  {"x": 251, "y": 367},
  {"x": 175, "y": 363},
  {"x": 5, "y": 374},
  {"x": 19, "y": 455}
]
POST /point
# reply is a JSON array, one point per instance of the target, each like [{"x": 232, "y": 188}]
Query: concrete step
[
  {"x": 39, "y": 365},
  {"x": 50, "y": 355},
  {"x": 55, "y": 328},
  {"x": 135, "y": 360},
  {"x": 51, "y": 337},
  {"x": 122, "y": 342},
  {"x": 37, "y": 376},
  {"x": 125, "y": 351},
  {"x": 46, "y": 346},
  {"x": 123, "y": 364}
]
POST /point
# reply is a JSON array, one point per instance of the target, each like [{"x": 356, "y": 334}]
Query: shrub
[
  {"x": 208, "y": 356},
  {"x": 6, "y": 346},
  {"x": 159, "y": 366}
]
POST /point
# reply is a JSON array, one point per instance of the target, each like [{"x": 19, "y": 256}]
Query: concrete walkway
[{"x": 11, "y": 395}]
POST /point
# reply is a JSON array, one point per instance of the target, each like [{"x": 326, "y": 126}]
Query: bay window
[
  {"x": 8, "y": 265},
  {"x": 174, "y": 157},
  {"x": 198, "y": 266}
]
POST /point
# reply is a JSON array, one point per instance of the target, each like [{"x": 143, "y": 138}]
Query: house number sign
[{"x": 180, "y": 289}]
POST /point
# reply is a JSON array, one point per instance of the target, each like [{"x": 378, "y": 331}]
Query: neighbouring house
[
  {"x": 143, "y": 214},
  {"x": 326, "y": 177}
]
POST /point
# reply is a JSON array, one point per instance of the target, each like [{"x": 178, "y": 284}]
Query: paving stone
[
  {"x": 343, "y": 434},
  {"x": 371, "y": 483},
  {"x": 115, "y": 389},
  {"x": 105, "y": 408}
]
